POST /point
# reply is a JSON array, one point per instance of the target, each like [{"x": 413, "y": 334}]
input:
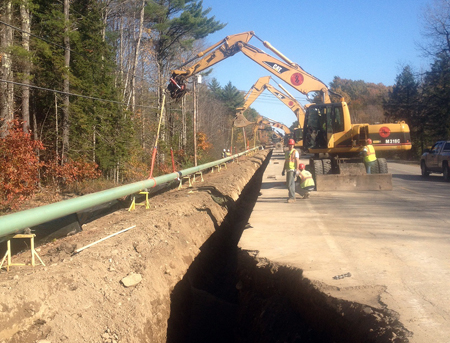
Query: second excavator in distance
[{"x": 255, "y": 91}]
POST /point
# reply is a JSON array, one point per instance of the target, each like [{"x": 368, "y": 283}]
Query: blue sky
[{"x": 354, "y": 39}]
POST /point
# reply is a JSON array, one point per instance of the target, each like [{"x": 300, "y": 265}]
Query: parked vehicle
[{"x": 436, "y": 160}]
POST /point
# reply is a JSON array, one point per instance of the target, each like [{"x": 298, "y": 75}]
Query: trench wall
[
  {"x": 196, "y": 285},
  {"x": 81, "y": 297}
]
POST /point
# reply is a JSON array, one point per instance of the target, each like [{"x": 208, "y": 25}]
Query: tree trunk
[
  {"x": 25, "y": 14},
  {"x": 66, "y": 86},
  {"x": 194, "y": 120},
  {"x": 136, "y": 57},
  {"x": 161, "y": 98},
  {"x": 184, "y": 130},
  {"x": 7, "y": 89},
  {"x": 94, "y": 141},
  {"x": 56, "y": 127},
  {"x": 121, "y": 71}
]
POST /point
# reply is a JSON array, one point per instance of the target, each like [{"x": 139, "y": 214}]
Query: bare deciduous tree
[
  {"x": 436, "y": 28},
  {"x": 7, "y": 89},
  {"x": 26, "y": 26}
]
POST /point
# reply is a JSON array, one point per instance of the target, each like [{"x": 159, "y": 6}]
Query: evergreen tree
[
  {"x": 215, "y": 88},
  {"x": 436, "y": 100},
  {"x": 48, "y": 68},
  {"x": 232, "y": 97},
  {"x": 402, "y": 103},
  {"x": 100, "y": 129},
  {"x": 178, "y": 32},
  {"x": 175, "y": 26}
]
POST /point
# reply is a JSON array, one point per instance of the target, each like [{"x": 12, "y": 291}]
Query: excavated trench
[{"x": 230, "y": 295}]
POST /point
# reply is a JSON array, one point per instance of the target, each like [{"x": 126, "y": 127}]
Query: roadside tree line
[
  {"x": 422, "y": 98},
  {"x": 85, "y": 79}
]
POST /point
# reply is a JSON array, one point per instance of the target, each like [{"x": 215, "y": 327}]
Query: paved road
[{"x": 395, "y": 244}]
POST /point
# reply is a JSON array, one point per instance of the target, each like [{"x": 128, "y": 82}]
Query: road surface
[{"x": 395, "y": 244}]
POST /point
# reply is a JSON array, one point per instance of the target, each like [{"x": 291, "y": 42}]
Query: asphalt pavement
[{"x": 395, "y": 244}]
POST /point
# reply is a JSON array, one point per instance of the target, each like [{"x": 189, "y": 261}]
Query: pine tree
[
  {"x": 215, "y": 88},
  {"x": 99, "y": 131},
  {"x": 436, "y": 100},
  {"x": 403, "y": 104},
  {"x": 232, "y": 97}
]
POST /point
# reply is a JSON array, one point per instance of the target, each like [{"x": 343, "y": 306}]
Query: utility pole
[
  {"x": 195, "y": 99},
  {"x": 66, "y": 85},
  {"x": 231, "y": 141}
]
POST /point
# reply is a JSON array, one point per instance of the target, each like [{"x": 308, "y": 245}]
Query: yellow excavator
[
  {"x": 255, "y": 91},
  {"x": 273, "y": 123},
  {"x": 328, "y": 133},
  {"x": 267, "y": 124}
]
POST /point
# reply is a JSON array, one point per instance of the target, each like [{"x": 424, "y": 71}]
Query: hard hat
[
  {"x": 301, "y": 166},
  {"x": 369, "y": 141},
  {"x": 291, "y": 142},
  {"x": 228, "y": 150},
  {"x": 224, "y": 149}
]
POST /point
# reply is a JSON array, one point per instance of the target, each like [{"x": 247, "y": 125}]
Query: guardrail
[{"x": 11, "y": 223}]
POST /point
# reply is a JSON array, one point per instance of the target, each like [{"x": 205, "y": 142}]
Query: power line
[{"x": 72, "y": 94}]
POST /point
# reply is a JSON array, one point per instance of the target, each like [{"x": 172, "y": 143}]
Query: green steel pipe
[{"x": 11, "y": 223}]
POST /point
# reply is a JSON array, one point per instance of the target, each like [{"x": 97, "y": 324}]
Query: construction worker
[
  {"x": 224, "y": 153},
  {"x": 228, "y": 153},
  {"x": 292, "y": 160},
  {"x": 306, "y": 181},
  {"x": 370, "y": 158}
]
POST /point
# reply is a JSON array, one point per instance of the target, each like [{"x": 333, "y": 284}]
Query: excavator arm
[
  {"x": 278, "y": 125},
  {"x": 253, "y": 93},
  {"x": 285, "y": 69},
  {"x": 263, "y": 84},
  {"x": 272, "y": 123},
  {"x": 290, "y": 102}
]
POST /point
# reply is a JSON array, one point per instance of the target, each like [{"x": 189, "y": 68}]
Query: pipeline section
[{"x": 11, "y": 223}]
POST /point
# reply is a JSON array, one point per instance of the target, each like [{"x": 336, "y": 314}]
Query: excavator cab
[
  {"x": 298, "y": 134},
  {"x": 322, "y": 124}
]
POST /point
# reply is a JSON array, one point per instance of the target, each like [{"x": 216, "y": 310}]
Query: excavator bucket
[
  {"x": 353, "y": 177},
  {"x": 363, "y": 182},
  {"x": 241, "y": 121}
]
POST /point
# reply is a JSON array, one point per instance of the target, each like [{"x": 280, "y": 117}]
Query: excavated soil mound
[
  {"x": 82, "y": 297},
  {"x": 178, "y": 276}
]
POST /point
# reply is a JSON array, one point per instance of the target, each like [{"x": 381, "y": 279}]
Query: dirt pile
[
  {"x": 177, "y": 275},
  {"x": 86, "y": 297}
]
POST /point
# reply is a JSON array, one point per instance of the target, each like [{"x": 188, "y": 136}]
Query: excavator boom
[
  {"x": 290, "y": 102},
  {"x": 285, "y": 69},
  {"x": 256, "y": 90},
  {"x": 278, "y": 125}
]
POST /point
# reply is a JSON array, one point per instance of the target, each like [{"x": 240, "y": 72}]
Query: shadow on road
[
  {"x": 431, "y": 178},
  {"x": 272, "y": 199},
  {"x": 270, "y": 185}
]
